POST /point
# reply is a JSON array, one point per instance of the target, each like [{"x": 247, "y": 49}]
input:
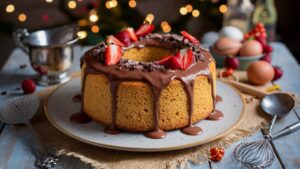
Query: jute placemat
[{"x": 104, "y": 158}]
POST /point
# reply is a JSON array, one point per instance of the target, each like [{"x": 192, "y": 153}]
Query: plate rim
[{"x": 132, "y": 149}]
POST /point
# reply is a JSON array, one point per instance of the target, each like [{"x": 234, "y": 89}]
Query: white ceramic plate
[{"x": 59, "y": 107}]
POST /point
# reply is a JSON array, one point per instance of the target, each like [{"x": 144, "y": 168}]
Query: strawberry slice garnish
[
  {"x": 113, "y": 54},
  {"x": 191, "y": 38},
  {"x": 124, "y": 37},
  {"x": 144, "y": 29},
  {"x": 113, "y": 40},
  {"x": 185, "y": 57},
  {"x": 131, "y": 33},
  {"x": 182, "y": 60}
]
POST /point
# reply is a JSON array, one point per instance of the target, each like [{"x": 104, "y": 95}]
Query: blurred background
[{"x": 98, "y": 18}]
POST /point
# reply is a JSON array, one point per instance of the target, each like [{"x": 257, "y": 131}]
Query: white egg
[{"x": 232, "y": 32}]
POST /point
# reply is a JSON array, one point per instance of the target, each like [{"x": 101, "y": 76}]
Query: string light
[
  {"x": 111, "y": 4},
  {"x": 214, "y": 1},
  {"x": 83, "y": 22},
  {"x": 95, "y": 29},
  {"x": 183, "y": 11},
  {"x": 10, "y": 8},
  {"x": 189, "y": 8},
  {"x": 223, "y": 8},
  {"x": 196, "y": 13},
  {"x": 165, "y": 26},
  {"x": 132, "y": 3},
  {"x": 22, "y": 17},
  {"x": 72, "y": 4},
  {"x": 149, "y": 18},
  {"x": 94, "y": 18},
  {"x": 82, "y": 34},
  {"x": 49, "y": 1}
]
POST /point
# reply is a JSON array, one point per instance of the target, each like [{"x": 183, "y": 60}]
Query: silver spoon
[
  {"x": 277, "y": 105},
  {"x": 259, "y": 154},
  {"x": 21, "y": 110}
]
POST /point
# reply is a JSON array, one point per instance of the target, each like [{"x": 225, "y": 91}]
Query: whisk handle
[{"x": 289, "y": 129}]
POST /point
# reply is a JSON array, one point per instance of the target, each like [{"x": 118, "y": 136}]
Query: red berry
[
  {"x": 191, "y": 38},
  {"x": 267, "y": 58},
  {"x": 28, "y": 86},
  {"x": 232, "y": 62},
  {"x": 113, "y": 40},
  {"x": 261, "y": 25},
  {"x": 113, "y": 54},
  {"x": 264, "y": 35},
  {"x": 222, "y": 151},
  {"x": 131, "y": 33},
  {"x": 124, "y": 37},
  {"x": 182, "y": 60},
  {"x": 144, "y": 29},
  {"x": 261, "y": 40},
  {"x": 267, "y": 49},
  {"x": 214, "y": 151},
  {"x": 227, "y": 72},
  {"x": 246, "y": 36},
  {"x": 278, "y": 73}
]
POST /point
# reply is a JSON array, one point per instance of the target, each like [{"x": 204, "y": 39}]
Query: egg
[
  {"x": 227, "y": 46},
  {"x": 251, "y": 48},
  {"x": 231, "y": 32},
  {"x": 260, "y": 72}
]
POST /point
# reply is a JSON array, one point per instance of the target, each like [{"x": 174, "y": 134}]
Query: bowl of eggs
[{"x": 236, "y": 50}]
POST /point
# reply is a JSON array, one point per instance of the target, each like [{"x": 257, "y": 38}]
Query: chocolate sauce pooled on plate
[
  {"x": 216, "y": 115},
  {"x": 77, "y": 98},
  {"x": 157, "y": 76},
  {"x": 80, "y": 118},
  {"x": 219, "y": 99}
]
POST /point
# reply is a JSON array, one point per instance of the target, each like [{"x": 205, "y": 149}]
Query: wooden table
[{"x": 15, "y": 141}]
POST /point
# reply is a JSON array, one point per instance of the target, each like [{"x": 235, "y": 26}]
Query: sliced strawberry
[
  {"x": 186, "y": 58},
  {"x": 113, "y": 54},
  {"x": 113, "y": 40},
  {"x": 191, "y": 38},
  {"x": 165, "y": 60},
  {"x": 174, "y": 63},
  {"x": 124, "y": 37},
  {"x": 144, "y": 29},
  {"x": 131, "y": 33}
]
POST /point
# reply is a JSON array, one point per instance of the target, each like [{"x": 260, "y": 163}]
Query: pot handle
[{"x": 19, "y": 36}]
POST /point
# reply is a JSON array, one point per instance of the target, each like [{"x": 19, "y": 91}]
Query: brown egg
[
  {"x": 260, "y": 72},
  {"x": 251, "y": 48},
  {"x": 227, "y": 46}
]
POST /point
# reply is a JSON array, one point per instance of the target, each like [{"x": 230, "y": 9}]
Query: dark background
[{"x": 288, "y": 27}]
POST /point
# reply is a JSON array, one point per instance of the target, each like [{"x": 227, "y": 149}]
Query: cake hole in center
[{"x": 146, "y": 54}]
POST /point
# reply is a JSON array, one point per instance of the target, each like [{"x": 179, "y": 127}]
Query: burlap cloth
[{"x": 104, "y": 158}]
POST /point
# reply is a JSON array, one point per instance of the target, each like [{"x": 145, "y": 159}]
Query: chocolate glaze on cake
[{"x": 157, "y": 76}]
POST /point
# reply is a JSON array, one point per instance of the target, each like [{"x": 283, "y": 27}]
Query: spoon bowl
[{"x": 277, "y": 104}]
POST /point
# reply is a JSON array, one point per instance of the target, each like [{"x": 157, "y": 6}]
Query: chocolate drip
[
  {"x": 80, "y": 118},
  {"x": 77, "y": 98},
  {"x": 219, "y": 99},
  {"x": 112, "y": 129},
  {"x": 157, "y": 78},
  {"x": 216, "y": 115}
]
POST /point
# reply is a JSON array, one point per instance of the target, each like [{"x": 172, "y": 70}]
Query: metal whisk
[{"x": 259, "y": 154}]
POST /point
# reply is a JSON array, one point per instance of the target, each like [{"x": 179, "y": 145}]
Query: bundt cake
[{"x": 148, "y": 82}]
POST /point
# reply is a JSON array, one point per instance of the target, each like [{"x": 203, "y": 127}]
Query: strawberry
[
  {"x": 113, "y": 54},
  {"x": 144, "y": 29},
  {"x": 124, "y": 37},
  {"x": 186, "y": 58},
  {"x": 165, "y": 60},
  {"x": 231, "y": 62},
  {"x": 113, "y": 40},
  {"x": 131, "y": 33},
  {"x": 182, "y": 60},
  {"x": 278, "y": 73},
  {"x": 191, "y": 38}
]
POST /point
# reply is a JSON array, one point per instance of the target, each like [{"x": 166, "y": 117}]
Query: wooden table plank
[{"x": 288, "y": 146}]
